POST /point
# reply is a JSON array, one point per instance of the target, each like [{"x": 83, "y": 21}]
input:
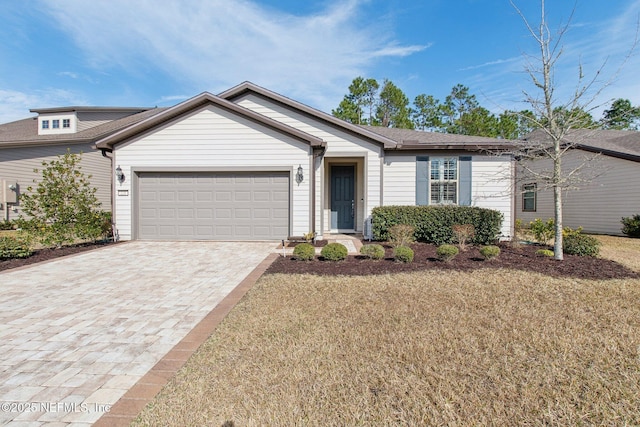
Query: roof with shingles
[
  {"x": 616, "y": 143},
  {"x": 409, "y": 139},
  {"x": 25, "y": 132}
]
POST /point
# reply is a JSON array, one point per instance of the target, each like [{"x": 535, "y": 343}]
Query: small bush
[
  {"x": 545, "y": 252},
  {"x": 372, "y": 251},
  {"x": 401, "y": 235},
  {"x": 304, "y": 252},
  {"x": 581, "y": 244},
  {"x": 7, "y": 225},
  {"x": 12, "y": 247},
  {"x": 463, "y": 233},
  {"x": 542, "y": 231},
  {"x": 334, "y": 252},
  {"x": 490, "y": 252},
  {"x": 631, "y": 226},
  {"x": 403, "y": 254},
  {"x": 447, "y": 252}
]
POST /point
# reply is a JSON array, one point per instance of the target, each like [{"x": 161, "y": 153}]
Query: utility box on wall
[{"x": 9, "y": 191}]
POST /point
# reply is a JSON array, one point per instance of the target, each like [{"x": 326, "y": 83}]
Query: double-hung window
[
  {"x": 529, "y": 197},
  {"x": 45, "y": 124},
  {"x": 444, "y": 180},
  {"x": 55, "y": 124},
  {"x": 66, "y": 123}
]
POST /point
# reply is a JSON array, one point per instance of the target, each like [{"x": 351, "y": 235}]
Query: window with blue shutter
[{"x": 443, "y": 180}]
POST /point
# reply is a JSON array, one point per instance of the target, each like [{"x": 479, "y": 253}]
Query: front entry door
[{"x": 342, "y": 197}]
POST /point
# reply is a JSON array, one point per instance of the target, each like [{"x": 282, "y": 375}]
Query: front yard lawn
[{"x": 488, "y": 346}]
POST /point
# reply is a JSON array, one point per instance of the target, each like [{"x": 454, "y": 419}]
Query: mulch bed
[
  {"x": 48, "y": 254},
  {"x": 520, "y": 258}
]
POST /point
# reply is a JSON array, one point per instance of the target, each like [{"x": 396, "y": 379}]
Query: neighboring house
[
  {"x": 25, "y": 144},
  {"x": 250, "y": 164},
  {"x": 610, "y": 189}
]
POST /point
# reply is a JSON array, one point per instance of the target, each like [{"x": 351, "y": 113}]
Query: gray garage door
[{"x": 213, "y": 206}]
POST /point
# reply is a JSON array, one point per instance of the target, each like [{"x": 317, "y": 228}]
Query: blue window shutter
[
  {"x": 422, "y": 180},
  {"x": 464, "y": 165}
]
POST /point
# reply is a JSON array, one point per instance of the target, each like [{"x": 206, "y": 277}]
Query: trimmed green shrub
[
  {"x": 304, "y": 252},
  {"x": 402, "y": 235},
  {"x": 373, "y": 251},
  {"x": 433, "y": 223},
  {"x": 542, "y": 231},
  {"x": 403, "y": 254},
  {"x": 447, "y": 252},
  {"x": 12, "y": 247},
  {"x": 334, "y": 252},
  {"x": 545, "y": 252},
  {"x": 7, "y": 225},
  {"x": 631, "y": 226},
  {"x": 581, "y": 244},
  {"x": 490, "y": 252}
]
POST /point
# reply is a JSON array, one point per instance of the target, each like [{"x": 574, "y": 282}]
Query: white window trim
[{"x": 441, "y": 168}]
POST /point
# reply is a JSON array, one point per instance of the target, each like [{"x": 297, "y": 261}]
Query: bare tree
[{"x": 556, "y": 118}]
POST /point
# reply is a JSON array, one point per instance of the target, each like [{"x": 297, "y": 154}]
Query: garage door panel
[
  {"x": 242, "y": 196},
  {"x": 213, "y": 206},
  {"x": 166, "y": 196}
]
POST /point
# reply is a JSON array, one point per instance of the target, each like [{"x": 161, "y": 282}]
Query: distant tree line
[{"x": 369, "y": 103}]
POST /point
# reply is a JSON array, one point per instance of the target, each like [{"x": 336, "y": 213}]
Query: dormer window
[
  {"x": 66, "y": 123},
  {"x": 55, "y": 124},
  {"x": 45, "y": 124}
]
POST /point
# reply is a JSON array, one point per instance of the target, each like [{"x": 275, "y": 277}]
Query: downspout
[{"x": 113, "y": 196}]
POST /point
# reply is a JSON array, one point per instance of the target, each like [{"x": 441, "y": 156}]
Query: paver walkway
[{"x": 77, "y": 333}]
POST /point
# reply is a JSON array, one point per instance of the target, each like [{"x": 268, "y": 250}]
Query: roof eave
[
  {"x": 197, "y": 102},
  {"x": 453, "y": 146}
]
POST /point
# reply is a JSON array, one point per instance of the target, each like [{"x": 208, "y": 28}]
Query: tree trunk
[{"x": 557, "y": 207}]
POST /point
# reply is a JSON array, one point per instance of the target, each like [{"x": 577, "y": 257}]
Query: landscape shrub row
[{"x": 433, "y": 224}]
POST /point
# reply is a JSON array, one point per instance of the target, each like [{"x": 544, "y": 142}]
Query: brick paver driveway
[{"x": 77, "y": 333}]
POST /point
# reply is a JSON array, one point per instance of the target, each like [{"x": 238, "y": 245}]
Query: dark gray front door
[{"x": 342, "y": 197}]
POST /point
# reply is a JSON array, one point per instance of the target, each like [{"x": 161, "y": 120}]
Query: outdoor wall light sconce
[
  {"x": 119, "y": 174},
  {"x": 299, "y": 175}
]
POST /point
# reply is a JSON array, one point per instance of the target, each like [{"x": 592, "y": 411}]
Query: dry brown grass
[
  {"x": 435, "y": 348},
  {"x": 624, "y": 250}
]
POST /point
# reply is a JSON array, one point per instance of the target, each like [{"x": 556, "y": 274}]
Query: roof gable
[
  {"x": 197, "y": 102},
  {"x": 247, "y": 87}
]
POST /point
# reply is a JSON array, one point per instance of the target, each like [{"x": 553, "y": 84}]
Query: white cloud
[
  {"x": 15, "y": 105},
  {"x": 215, "y": 44}
]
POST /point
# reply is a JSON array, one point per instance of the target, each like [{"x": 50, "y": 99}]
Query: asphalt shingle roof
[
  {"x": 416, "y": 139},
  {"x": 622, "y": 143},
  {"x": 25, "y": 132}
]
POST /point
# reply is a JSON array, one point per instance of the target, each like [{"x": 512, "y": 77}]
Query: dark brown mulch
[
  {"x": 521, "y": 258},
  {"x": 316, "y": 243},
  {"x": 48, "y": 254}
]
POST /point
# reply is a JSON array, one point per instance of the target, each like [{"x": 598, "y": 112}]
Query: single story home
[
  {"x": 250, "y": 164},
  {"x": 606, "y": 191},
  {"x": 25, "y": 144}
]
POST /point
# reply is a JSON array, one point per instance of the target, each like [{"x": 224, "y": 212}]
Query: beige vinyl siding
[
  {"x": 491, "y": 181},
  {"x": 89, "y": 119},
  {"x": 598, "y": 205},
  {"x": 399, "y": 179},
  {"x": 213, "y": 139},
  {"x": 339, "y": 143},
  {"x": 18, "y": 164}
]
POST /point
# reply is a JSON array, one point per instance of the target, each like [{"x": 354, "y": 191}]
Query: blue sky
[{"x": 160, "y": 52}]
